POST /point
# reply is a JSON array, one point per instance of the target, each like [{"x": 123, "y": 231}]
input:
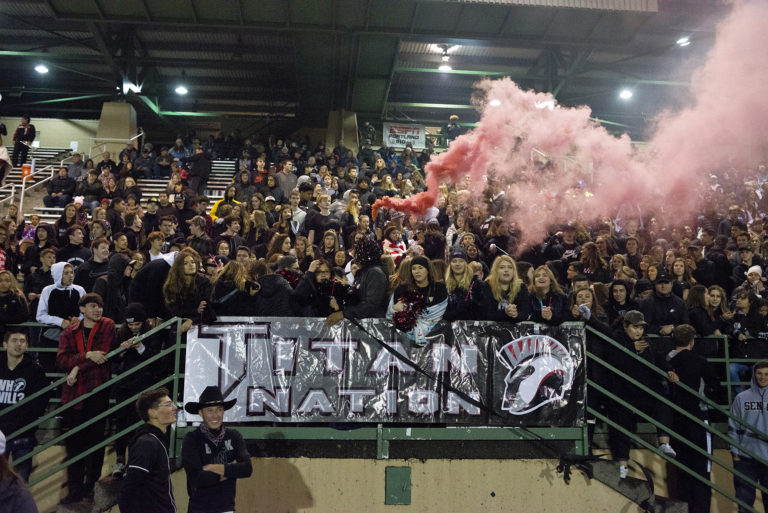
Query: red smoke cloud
[{"x": 726, "y": 126}]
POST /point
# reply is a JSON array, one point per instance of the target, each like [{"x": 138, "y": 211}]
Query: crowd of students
[{"x": 295, "y": 235}]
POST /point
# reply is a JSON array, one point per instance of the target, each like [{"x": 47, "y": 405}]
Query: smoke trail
[{"x": 726, "y": 125}]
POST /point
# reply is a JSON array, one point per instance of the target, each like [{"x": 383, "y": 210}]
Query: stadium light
[
  {"x": 42, "y": 69},
  {"x": 625, "y": 94},
  {"x": 181, "y": 90}
]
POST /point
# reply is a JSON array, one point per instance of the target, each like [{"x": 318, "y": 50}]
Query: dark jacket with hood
[
  {"x": 274, "y": 297},
  {"x": 147, "y": 286},
  {"x": 90, "y": 271},
  {"x": 147, "y": 486},
  {"x": 32, "y": 254},
  {"x": 113, "y": 288}
]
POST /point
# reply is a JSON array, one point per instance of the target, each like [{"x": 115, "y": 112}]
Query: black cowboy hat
[{"x": 211, "y": 396}]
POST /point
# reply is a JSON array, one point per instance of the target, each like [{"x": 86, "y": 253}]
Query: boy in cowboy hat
[{"x": 213, "y": 456}]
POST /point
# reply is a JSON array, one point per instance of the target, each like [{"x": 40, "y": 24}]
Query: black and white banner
[{"x": 300, "y": 370}]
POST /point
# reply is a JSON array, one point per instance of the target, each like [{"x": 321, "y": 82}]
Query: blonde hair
[
  {"x": 451, "y": 282},
  {"x": 493, "y": 280},
  {"x": 554, "y": 285}
]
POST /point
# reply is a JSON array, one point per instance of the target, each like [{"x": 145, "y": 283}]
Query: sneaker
[
  {"x": 668, "y": 450},
  {"x": 119, "y": 471},
  {"x": 623, "y": 471}
]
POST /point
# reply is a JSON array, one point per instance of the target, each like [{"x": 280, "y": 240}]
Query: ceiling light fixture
[
  {"x": 41, "y": 68},
  {"x": 445, "y": 58},
  {"x": 683, "y": 41},
  {"x": 181, "y": 90},
  {"x": 625, "y": 94}
]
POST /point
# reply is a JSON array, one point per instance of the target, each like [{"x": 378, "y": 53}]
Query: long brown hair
[
  {"x": 234, "y": 272},
  {"x": 178, "y": 286}
]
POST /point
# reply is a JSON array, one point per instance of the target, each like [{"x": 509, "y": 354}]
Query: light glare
[
  {"x": 683, "y": 41},
  {"x": 41, "y": 68},
  {"x": 181, "y": 90},
  {"x": 445, "y": 67},
  {"x": 625, "y": 94},
  {"x": 494, "y": 103}
]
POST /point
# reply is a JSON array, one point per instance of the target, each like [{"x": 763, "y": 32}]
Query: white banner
[{"x": 397, "y": 135}]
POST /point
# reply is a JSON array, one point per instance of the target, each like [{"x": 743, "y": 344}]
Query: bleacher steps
[{"x": 636, "y": 490}]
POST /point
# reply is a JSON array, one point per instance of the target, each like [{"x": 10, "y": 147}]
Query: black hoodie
[
  {"x": 15, "y": 385},
  {"x": 113, "y": 287},
  {"x": 147, "y": 487}
]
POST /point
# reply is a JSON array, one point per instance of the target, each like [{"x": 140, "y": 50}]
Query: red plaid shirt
[{"x": 72, "y": 349}]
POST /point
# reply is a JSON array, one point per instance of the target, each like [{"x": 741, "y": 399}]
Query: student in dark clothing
[
  {"x": 13, "y": 305},
  {"x": 95, "y": 267},
  {"x": 20, "y": 373},
  {"x": 213, "y": 456},
  {"x": 465, "y": 290},
  {"x": 548, "y": 304},
  {"x": 504, "y": 296},
  {"x": 232, "y": 291},
  {"x": 113, "y": 286},
  {"x": 691, "y": 369},
  {"x": 134, "y": 354},
  {"x": 147, "y": 487}
]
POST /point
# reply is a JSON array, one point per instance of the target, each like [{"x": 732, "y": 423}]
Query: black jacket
[
  {"x": 557, "y": 302},
  {"x": 147, "y": 287},
  {"x": 58, "y": 184},
  {"x": 274, "y": 297},
  {"x": 492, "y": 310},
  {"x": 147, "y": 486},
  {"x": 89, "y": 272},
  {"x": 371, "y": 286},
  {"x": 200, "y": 165},
  {"x": 662, "y": 310},
  {"x": 74, "y": 255},
  {"x": 13, "y": 310},
  {"x": 207, "y": 492},
  {"x": 466, "y": 304}
]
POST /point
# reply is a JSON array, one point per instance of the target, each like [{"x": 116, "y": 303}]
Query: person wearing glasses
[{"x": 147, "y": 487}]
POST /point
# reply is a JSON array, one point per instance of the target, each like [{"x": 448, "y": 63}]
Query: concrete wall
[
  {"x": 447, "y": 486},
  {"x": 56, "y": 132}
]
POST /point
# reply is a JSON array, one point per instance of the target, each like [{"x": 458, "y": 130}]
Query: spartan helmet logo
[{"x": 540, "y": 372}]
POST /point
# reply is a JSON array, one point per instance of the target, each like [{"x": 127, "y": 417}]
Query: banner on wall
[
  {"x": 398, "y": 135},
  {"x": 300, "y": 370}
]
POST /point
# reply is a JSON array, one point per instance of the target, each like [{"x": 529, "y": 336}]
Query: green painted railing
[
  {"x": 174, "y": 350},
  {"x": 617, "y": 373}
]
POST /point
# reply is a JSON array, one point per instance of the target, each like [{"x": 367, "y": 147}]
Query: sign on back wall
[
  {"x": 300, "y": 370},
  {"x": 398, "y": 135}
]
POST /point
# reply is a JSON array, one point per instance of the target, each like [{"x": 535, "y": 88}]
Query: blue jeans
[
  {"x": 735, "y": 370},
  {"x": 19, "y": 447},
  {"x": 745, "y": 491}
]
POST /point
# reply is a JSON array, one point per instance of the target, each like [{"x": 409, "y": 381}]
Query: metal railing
[
  {"x": 108, "y": 140},
  {"x": 624, "y": 402},
  {"x": 174, "y": 379}
]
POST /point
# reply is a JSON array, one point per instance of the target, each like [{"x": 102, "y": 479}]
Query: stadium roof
[{"x": 298, "y": 59}]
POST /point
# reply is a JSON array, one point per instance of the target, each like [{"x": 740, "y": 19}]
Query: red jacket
[{"x": 72, "y": 349}]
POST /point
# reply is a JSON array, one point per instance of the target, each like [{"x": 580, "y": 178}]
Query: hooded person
[
  {"x": 750, "y": 407},
  {"x": 113, "y": 286},
  {"x": 58, "y": 305},
  {"x": 213, "y": 456},
  {"x": 147, "y": 286}
]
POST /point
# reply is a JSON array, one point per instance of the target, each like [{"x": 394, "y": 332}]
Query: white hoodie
[{"x": 57, "y": 270}]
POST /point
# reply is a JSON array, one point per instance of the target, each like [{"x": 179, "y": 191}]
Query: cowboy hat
[{"x": 211, "y": 396}]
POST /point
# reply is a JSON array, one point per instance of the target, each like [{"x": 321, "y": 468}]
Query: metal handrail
[
  {"x": 723, "y": 410},
  {"x": 678, "y": 410},
  {"x": 668, "y": 459},
  {"x": 107, "y": 140},
  {"x": 63, "y": 380},
  {"x": 174, "y": 378}
]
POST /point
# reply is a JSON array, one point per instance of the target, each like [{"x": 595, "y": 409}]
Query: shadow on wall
[{"x": 275, "y": 485}]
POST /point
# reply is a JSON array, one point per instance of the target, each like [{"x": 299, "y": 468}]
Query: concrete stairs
[{"x": 634, "y": 489}]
